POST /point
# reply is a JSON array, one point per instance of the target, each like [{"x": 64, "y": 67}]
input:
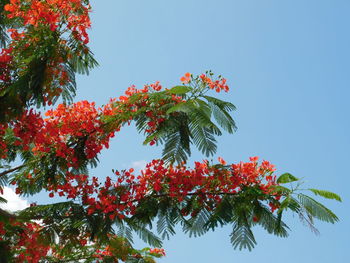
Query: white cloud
[
  {"x": 14, "y": 201},
  {"x": 139, "y": 165}
]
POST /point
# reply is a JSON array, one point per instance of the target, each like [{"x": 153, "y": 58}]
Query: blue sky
[{"x": 287, "y": 63}]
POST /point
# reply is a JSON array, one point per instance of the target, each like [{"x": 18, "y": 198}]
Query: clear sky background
[{"x": 287, "y": 63}]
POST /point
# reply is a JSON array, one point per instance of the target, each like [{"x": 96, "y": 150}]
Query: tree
[{"x": 44, "y": 44}]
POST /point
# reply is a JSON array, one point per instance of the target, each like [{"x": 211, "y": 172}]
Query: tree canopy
[{"x": 44, "y": 44}]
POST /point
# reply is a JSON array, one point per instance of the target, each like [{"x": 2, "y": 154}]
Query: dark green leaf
[
  {"x": 242, "y": 237},
  {"x": 182, "y": 106},
  {"x": 316, "y": 209}
]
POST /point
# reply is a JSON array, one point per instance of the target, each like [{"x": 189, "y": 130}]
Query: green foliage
[
  {"x": 316, "y": 209},
  {"x": 269, "y": 221},
  {"x": 146, "y": 235},
  {"x": 190, "y": 122},
  {"x": 167, "y": 218},
  {"x": 179, "y": 90},
  {"x": 197, "y": 225},
  {"x": 33, "y": 75},
  {"x": 177, "y": 140},
  {"x": 242, "y": 236},
  {"x": 82, "y": 59},
  {"x": 286, "y": 178},
  {"x": 220, "y": 110},
  {"x": 326, "y": 194}
]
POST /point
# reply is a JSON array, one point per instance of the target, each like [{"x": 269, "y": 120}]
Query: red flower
[
  {"x": 186, "y": 78},
  {"x": 222, "y": 161}
]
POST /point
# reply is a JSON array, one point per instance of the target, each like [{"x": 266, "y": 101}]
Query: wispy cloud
[
  {"x": 14, "y": 201},
  {"x": 139, "y": 165}
]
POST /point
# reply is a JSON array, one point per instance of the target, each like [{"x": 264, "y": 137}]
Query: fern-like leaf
[
  {"x": 326, "y": 194},
  {"x": 177, "y": 145},
  {"x": 196, "y": 226},
  {"x": 165, "y": 226},
  {"x": 146, "y": 235},
  {"x": 270, "y": 222},
  {"x": 242, "y": 237},
  {"x": 316, "y": 209}
]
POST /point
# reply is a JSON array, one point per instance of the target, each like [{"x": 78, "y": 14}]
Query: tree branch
[
  {"x": 12, "y": 170},
  {"x": 188, "y": 194}
]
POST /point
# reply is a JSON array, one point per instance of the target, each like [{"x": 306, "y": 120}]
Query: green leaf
[
  {"x": 286, "y": 178},
  {"x": 125, "y": 232},
  {"x": 197, "y": 225},
  {"x": 165, "y": 227},
  {"x": 284, "y": 205},
  {"x": 224, "y": 119},
  {"x": 147, "y": 236},
  {"x": 177, "y": 145},
  {"x": 281, "y": 189},
  {"x": 220, "y": 110},
  {"x": 155, "y": 135},
  {"x": 168, "y": 216},
  {"x": 179, "y": 90},
  {"x": 81, "y": 62},
  {"x": 182, "y": 106},
  {"x": 326, "y": 194},
  {"x": 224, "y": 105},
  {"x": 316, "y": 209},
  {"x": 293, "y": 205},
  {"x": 271, "y": 223},
  {"x": 242, "y": 237}
]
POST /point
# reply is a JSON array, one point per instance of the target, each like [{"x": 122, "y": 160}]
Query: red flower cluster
[
  {"x": 2, "y": 230},
  {"x": 28, "y": 246},
  {"x": 5, "y": 68},
  {"x": 157, "y": 251},
  {"x": 69, "y": 124},
  {"x": 122, "y": 196},
  {"x": 186, "y": 78},
  {"x": 53, "y": 13},
  {"x": 28, "y": 127},
  {"x": 45, "y": 25},
  {"x": 143, "y": 102},
  {"x": 83, "y": 125},
  {"x": 62, "y": 131},
  {"x": 218, "y": 85},
  {"x": 80, "y": 131}
]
